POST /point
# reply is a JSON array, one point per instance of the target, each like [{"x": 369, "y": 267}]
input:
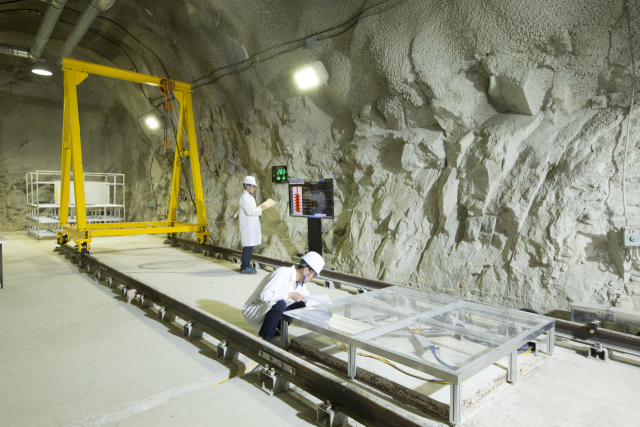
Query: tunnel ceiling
[{"x": 468, "y": 152}]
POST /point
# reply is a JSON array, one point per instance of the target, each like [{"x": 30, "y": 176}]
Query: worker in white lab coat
[
  {"x": 250, "y": 233},
  {"x": 281, "y": 291}
]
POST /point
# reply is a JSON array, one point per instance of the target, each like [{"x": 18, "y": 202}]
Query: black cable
[
  {"x": 323, "y": 35},
  {"x": 525, "y": 348},
  {"x": 184, "y": 175},
  {"x": 93, "y": 32},
  {"x": 130, "y": 35},
  {"x": 626, "y": 144},
  {"x": 150, "y": 149},
  {"x": 356, "y": 17},
  {"x": 121, "y": 48},
  {"x": 106, "y": 19}
]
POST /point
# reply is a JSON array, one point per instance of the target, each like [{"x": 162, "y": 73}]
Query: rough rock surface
[{"x": 461, "y": 135}]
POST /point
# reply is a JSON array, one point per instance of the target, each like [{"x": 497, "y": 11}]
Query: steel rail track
[
  {"x": 609, "y": 339},
  {"x": 352, "y": 400},
  {"x": 349, "y": 279},
  {"x": 574, "y": 331}
]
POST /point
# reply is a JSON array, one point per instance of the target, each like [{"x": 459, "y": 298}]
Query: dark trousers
[
  {"x": 272, "y": 319},
  {"x": 246, "y": 257}
]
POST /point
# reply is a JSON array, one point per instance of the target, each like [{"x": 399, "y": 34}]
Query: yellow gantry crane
[{"x": 74, "y": 73}]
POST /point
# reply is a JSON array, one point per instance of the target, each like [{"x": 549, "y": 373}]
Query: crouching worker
[{"x": 281, "y": 291}]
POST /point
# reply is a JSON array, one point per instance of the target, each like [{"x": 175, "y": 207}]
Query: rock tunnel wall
[{"x": 467, "y": 153}]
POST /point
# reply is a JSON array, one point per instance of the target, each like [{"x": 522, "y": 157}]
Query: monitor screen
[{"x": 311, "y": 198}]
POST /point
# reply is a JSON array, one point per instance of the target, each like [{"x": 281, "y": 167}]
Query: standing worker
[
  {"x": 281, "y": 291},
  {"x": 250, "y": 233}
]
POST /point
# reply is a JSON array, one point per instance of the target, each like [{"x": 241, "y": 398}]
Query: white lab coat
[
  {"x": 273, "y": 288},
  {"x": 250, "y": 232}
]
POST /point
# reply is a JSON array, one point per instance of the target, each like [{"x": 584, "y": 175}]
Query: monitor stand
[{"x": 314, "y": 231}]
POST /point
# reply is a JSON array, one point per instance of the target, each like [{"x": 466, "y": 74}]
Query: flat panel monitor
[{"x": 311, "y": 198}]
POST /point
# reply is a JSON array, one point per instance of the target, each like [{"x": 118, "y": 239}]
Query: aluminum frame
[{"x": 532, "y": 325}]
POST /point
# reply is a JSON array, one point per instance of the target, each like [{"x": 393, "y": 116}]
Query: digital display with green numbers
[{"x": 279, "y": 175}]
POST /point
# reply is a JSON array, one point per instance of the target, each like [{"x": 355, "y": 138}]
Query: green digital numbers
[{"x": 279, "y": 174}]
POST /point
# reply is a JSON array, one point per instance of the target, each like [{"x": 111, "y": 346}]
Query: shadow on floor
[
  {"x": 306, "y": 409},
  {"x": 225, "y": 312}
]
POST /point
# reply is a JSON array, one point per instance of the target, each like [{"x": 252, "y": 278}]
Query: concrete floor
[{"x": 73, "y": 353}]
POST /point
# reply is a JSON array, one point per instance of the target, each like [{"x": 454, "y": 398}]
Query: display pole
[{"x": 314, "y": 231}]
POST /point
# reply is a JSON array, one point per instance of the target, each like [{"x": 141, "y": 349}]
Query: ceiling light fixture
[
  {"x": 152, "y": 122},
  {"x": 311, "y": 75},
  {"x": 42, "y": 68}
]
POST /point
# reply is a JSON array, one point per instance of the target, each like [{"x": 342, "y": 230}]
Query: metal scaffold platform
[{"x": 104, "y": 201}]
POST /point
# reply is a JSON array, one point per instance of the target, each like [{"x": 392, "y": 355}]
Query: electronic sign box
[
  {"x": 279, "y": 175},
  {"x": 311, "y": 198}
]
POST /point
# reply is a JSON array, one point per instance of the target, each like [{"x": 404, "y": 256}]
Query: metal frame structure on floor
[
  {"x": 75, "y": 72},
  {"x": 529, "y": 326}
]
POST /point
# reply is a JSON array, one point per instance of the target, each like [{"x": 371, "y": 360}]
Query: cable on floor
[
  {"x": 344, "y": 348},
  {"x": 233, "y": 376}
]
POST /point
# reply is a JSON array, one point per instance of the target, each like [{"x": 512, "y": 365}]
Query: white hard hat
[
  {"x": 249, "y": 180},
  {"x": 314, "y": 260}
]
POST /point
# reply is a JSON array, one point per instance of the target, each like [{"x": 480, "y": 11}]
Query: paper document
[
  {"x": 268, "y": 203},
  {"x": 317, "y": 300}
]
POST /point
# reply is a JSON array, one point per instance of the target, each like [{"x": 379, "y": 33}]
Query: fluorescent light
[
  {"x": 152, "y": 122},
  {"x": 311, "y": 75},
  {"x": 41, "y": 68}
]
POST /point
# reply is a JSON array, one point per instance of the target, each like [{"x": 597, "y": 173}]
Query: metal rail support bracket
[
  {"x": 109, "y": 281},
  {"x": 328, "y": 284},
  {"x": 226, "y": 353},
  {"x": 277, "y": 362},
  {"x": 330, "y": 417},
  {"x": 144, "y": 302},
  {"x": 165, "y": 315},
  {"x": 191, "y": 332},
  {"x": 598, "y": 352},
  {"x": 270, "y": 382},
  {"x": 196, "y": 250},
  {"x": 631, "y": 238}
]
